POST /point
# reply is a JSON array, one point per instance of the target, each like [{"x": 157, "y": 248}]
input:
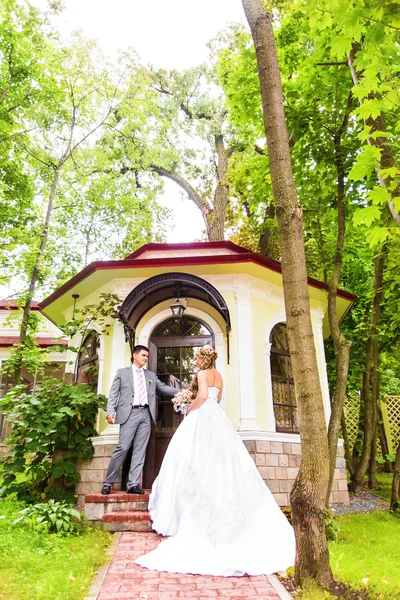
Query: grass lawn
[
  {"x": 38, "y": 566},
  {"x": 366, "y": 556},
  {"x": 384, "y": 488}
]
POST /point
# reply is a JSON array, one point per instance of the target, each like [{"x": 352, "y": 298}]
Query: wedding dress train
[{"x": 211, "y": 500}]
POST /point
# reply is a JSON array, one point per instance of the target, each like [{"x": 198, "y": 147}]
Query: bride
[{"x": 210, "y": 499}]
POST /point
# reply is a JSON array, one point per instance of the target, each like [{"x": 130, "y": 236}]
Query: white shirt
[{"x": 136, "y": 385}]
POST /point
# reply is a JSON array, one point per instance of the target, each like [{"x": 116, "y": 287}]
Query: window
[
  {"x": 284, "y": 399},
  {"x": 88, "y": 360}
]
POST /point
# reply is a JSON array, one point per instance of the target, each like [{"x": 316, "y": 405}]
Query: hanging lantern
[{"x": 178, "y": 308}]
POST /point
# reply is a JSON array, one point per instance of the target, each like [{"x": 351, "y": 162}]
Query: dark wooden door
[{"x": 172, "y": 355}]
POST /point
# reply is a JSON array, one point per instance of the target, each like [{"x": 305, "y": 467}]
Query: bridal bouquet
[{"x": 182, "y": 400}]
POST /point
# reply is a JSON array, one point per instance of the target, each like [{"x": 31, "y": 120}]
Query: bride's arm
[{"x": 202, "y": 393}]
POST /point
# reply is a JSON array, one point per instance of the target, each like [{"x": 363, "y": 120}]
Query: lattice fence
[
  {"x": 393, "y": 412},
  {"x": 391, "y": 406}
]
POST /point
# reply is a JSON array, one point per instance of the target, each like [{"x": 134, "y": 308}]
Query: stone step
[
  {"x": 134, "y": 520},
  {"x": 98, "y": 505}
]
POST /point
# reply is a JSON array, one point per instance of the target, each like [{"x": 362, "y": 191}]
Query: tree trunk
[
  {"x": 395, "y": 499},
  {"x": 36, "y": 269},
  {"x": 367, "y": 401},
  {"x": 214, "y": 216},
  {"x": 340, "y": 344},
  {"x": 309, "y": 491},
  {"x": 376, "y": 380}
]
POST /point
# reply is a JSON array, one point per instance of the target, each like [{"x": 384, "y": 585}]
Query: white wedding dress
[{"x": 211, "y": 500}]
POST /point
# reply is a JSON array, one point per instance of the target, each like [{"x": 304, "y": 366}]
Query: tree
[
  {"x": 61, "y": 134},
  {"x": 186, "y": 140},
  {"x": 309, "y": 491},
  {"x": 23, "y": 84}
]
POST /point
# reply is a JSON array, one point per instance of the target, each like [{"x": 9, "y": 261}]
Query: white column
[
  {"x": 323, "y": 375},
  {"x": 248, "y": 419},
  {"x": 110, "y": 434},
  {"x": 268, "y": 386}
]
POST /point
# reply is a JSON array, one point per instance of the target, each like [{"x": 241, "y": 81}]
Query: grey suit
[{"x": 135, "y": 424}]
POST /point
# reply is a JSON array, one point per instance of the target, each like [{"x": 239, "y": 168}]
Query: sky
[{"x": 170, "y": 34}]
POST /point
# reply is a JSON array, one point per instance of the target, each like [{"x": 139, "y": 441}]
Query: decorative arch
[{"x": 168, "y": 286}]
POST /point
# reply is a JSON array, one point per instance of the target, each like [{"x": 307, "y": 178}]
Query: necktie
[{"x": 141, "y": 388}]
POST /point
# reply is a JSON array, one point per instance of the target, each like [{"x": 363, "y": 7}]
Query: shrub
[
  {"x": 51, "y": 430},
  {"x": 54, "y": 517}
]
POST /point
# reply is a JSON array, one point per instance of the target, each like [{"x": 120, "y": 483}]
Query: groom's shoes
[
  {"x": 106, "y": 489},
  {"x": 135, "y": 489}
]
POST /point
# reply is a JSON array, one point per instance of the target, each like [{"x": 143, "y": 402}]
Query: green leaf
[
  {"x": 366, "y": 216},
  {"x": 369, "y": 108},
  {"x": 379, "y": 195},
  {"x": 68, "y": 411},
  {"x": 390, "y": 172},
  {"x": 366, "y": 163},
  {"x": 340, "y": 46},
  {"x": 377, "y": 235}
]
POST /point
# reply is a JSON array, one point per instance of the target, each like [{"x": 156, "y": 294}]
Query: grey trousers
[{"x": 136, "y": 428}]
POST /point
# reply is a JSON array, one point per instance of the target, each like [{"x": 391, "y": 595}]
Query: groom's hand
[{"x": 111, "y": 419}]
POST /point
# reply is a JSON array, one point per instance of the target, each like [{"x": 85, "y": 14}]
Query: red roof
[
  {"x": 133, "y": 261},
  {"x": 10, "y": 340},
  {"x": 13, "y": 304}
]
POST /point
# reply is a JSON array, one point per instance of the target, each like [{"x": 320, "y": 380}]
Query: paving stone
[{"x": 126, "y": 580}]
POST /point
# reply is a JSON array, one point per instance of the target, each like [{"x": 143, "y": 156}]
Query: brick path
[{"x": 125, "y": 580}]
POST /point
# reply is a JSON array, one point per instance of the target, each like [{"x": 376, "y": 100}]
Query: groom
[{"x": 132, "y": 404}]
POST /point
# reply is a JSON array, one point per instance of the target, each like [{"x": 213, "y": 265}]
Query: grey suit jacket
[{"x": 122, "y": 392}]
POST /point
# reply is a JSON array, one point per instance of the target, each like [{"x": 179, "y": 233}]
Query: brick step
[
  {"x": 97, "y": 506},
  {"x": 134, "y": 520},
  {"x": 117, "y": 496}
]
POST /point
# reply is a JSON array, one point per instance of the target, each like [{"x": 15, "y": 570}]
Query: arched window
[
  {"x": 88, "y": 360},
  {"x": 284, "y": 399}
]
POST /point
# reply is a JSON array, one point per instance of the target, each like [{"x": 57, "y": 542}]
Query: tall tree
[
  {"x": 186, "y": 140},
  {"x": 80, "y": 93},
  {"x": 309, "y": 491}
]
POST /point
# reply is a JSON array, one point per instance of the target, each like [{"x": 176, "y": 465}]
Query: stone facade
[
  {"x": 277, "y": 463},
  {"x": 93, "y": 472}
]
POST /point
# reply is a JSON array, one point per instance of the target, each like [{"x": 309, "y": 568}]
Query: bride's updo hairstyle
[{"x": 208, "y": 356}]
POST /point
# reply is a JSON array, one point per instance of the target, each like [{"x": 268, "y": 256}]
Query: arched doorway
[{"x": 172, "y": 345}]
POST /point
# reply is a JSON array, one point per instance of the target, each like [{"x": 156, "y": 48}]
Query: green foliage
[
  {"x": 51, "y": 430},
  {"x": 101, "y": 313},
  {"x": 36, "y": 565},
  {"x": 52, "y": 516},
  {"x": 332, "y": 526},
  {"x": 28, "y": 353}
]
